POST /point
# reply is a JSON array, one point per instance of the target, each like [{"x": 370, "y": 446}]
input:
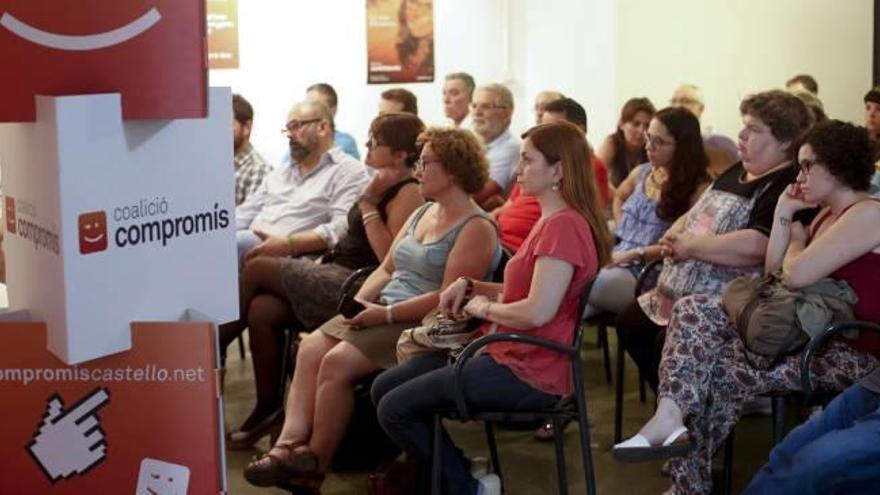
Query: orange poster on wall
[
  {"x": 400, "y": 41},
  {"x": 223, "y": 34},
  {"x": 145, "y": 421}
]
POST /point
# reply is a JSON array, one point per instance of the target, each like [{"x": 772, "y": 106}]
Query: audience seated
[
  {"x": 707, "y": 373},
  {"x": 720, "y": 149},
  {"x": 814, "y": 104},
  {"x": 725, "y": 233},
  {"x": 521, "y": 211},
  {"x": 803, "y": 82},
  {"x": 442, "y": 241},
  {"x": 324, "y": 93},
  {"x": 542, "y": 286},
  {"x": 287, "y": 292},
  {"x": 301, "y": 208},
  {"x": 648, "y": 201},
  {"x": 492, "y": 110},
  {"x": 398, "y": 100},
  {"x": 250, "y": 167},
  {"x": 458, "y": 91},
  {"x": 625, "y": 149},
  {"x": 541, "y": 101}
]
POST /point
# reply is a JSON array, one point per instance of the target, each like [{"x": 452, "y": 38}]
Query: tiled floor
[{"x": 528, "y": 466}]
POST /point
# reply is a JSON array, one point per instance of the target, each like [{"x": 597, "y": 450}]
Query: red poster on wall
[
  {"x": 150, "y": 51},
  {"x": 144, "y": 421},
  {"x": 400, "y": 41}
]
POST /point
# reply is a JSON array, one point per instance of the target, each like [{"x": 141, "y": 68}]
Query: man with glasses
[
  {"x": 301, "y": 208},
  {"x": 492, "y": 109}
]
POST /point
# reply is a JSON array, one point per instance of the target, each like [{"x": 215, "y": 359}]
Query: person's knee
[
  {"x": 312, "y": 349},
  {"x": 381, "y": 386},
  {"x": 342, "y": 363}
]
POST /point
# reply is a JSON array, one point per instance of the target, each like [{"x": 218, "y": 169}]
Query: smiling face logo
[
  {"x": 10, "y": 215},
  {"x": 162, "y": 478},
  {"x": 92, "y": 232},
  {"x": 105, "y": 46}
]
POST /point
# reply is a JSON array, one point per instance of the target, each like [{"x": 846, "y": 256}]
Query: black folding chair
[{"x": 564, "y": 410}]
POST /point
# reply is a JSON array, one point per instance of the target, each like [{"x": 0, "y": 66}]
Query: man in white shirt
[
  {"x": 302, "y": 207},
  {"x": 492, "y": 110},
  {"x": 458, "y": 90}
]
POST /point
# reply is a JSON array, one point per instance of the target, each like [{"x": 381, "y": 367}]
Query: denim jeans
[
  {"x": 836, "y": 451},
  {"x": 408, "y": 395}
]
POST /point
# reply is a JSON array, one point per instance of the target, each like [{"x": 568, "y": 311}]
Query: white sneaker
[{"x": 489, "y": 484}]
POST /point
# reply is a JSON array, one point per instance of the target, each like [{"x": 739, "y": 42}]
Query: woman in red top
[{"x": 540, "y": 295}]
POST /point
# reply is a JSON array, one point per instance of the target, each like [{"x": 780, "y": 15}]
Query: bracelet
[
  {"x": 369, "y": 216},
  {"x": 389, "y": 315},
  {"x": 488, "y": 311},
  {"x": 642, "y": 255}
]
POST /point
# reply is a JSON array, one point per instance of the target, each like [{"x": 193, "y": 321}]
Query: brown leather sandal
[{"x": 282, "y": 463}]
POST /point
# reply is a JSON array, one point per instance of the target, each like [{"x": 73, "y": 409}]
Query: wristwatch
[{"x": 642, "y": 258}]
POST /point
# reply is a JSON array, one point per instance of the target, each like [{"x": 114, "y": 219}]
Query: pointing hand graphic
[{"x": 70, "y": 441}]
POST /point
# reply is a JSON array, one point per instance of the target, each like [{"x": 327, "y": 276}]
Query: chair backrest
[
  {"x": 498, "y": 274},
  {"x": 578, "y": 336}
]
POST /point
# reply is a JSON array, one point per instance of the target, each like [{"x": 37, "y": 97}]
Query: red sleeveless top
[{"x": 863, "y": 275}]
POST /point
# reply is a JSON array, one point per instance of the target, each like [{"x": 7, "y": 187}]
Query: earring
[{"x": 555, "y": 186}]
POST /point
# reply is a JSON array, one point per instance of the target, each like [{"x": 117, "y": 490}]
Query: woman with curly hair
[
  {"x": 707, "y": 373},
  {"x": 442, "y": 241}
]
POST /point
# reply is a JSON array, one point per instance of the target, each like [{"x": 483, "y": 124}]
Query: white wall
[
  {"x": 292, "y": 44},
  {"x": 600, "y": 52},
  {"x": 733, "y": 48}
]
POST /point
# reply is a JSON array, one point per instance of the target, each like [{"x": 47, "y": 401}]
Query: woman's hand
[
  {"x": 792, "y": 201},
  {"x": 383, "y": 179},
  {"x": 478, "y": 307},
  {"x": 677, "y": 246},
  {"x": 452, "y": 297},
  {"x": 374, "y": 314},
  {"x": 624, "y": 257}
]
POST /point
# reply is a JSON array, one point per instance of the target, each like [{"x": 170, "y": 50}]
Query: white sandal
[{"x": 638, "y": 449}]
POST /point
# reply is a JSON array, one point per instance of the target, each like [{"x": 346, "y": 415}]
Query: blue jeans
[
  {"x": 837, "y": 451},
  {"x": 408, "y": 395}
]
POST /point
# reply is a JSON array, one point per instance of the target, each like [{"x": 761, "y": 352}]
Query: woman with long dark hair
[
  {"x": 649, "y": 200},
  {"x": 625, "y": 149}
]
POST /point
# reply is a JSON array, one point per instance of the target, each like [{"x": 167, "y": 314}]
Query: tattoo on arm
[{"x": 785, "y": 222}]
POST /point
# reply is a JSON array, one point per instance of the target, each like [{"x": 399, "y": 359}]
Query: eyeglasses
[
  {"x": 657, "y": 141},
  {"x": 421, "y": 164},
  {"x": 295, "y": 125},
  {"x": 374, "y": 143},
  {"x": 806, "y": 164},
  {"x": 485, "y": 107}
]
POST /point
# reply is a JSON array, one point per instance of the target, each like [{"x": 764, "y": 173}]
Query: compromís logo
[
  {"x": 21, "y": 220},
  {"x": 143, "y": 223}
]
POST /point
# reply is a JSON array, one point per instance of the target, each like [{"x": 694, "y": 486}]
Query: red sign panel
[
  {"x": 144, "y": 421},
  {"x": 150, "y": 51}
]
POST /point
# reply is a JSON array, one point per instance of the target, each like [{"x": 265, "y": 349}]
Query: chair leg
[
  {"x": 728, "y": 463},
  {"x": 240, "y": 346},
  {"x": 558, "y": 439},
  {"x": 436, "y": 462},
  {"x": 606, "y": 358},
  {"x": 584, "y": 432},
  {"x": 778, "y": 410},
  {"x": 493, "y": 451},
  {"x": 618, "y": 392},
  {"x": 286, "y": 360}
]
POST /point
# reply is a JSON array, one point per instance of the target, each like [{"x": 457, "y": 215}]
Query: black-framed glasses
[
  {"x": 295, "y": 125},
  {"x": 657, "y": 141},
  {"x": 806, "y": 164}
]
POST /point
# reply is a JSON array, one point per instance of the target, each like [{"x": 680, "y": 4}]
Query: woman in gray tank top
[{"x": 443, "y": 240}]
